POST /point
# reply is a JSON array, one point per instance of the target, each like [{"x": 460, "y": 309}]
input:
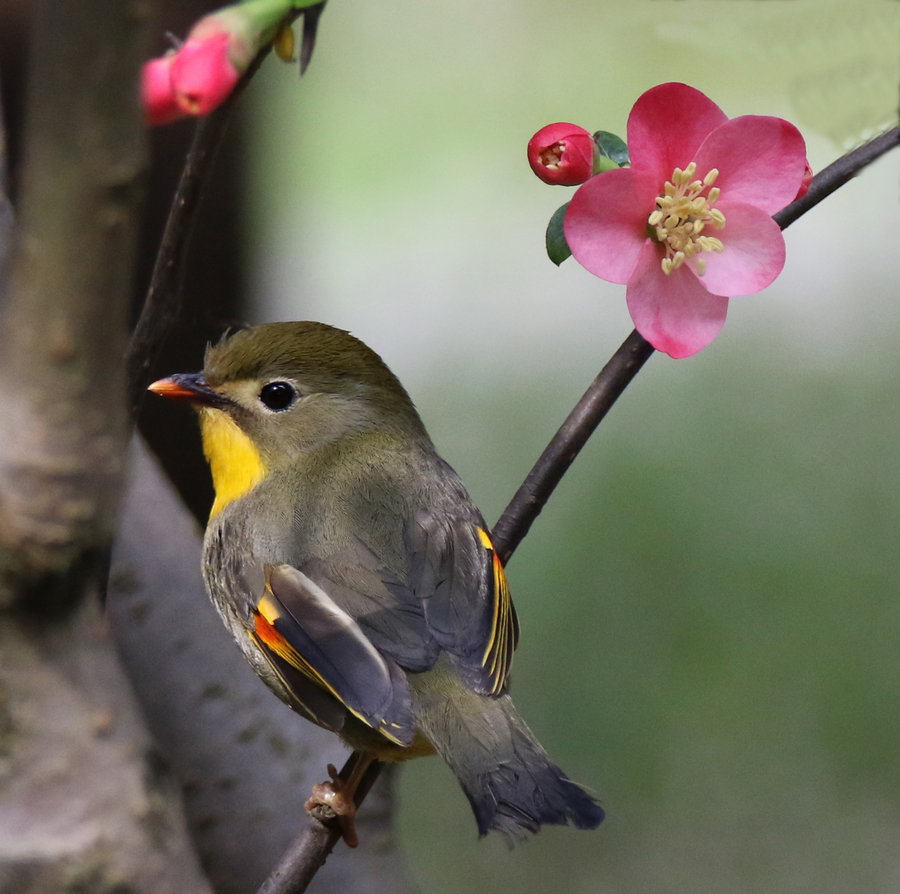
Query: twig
[
  {"x": 837, "y": 174},
  {"x": 311, "y": 848},
  {"x": 573, "y": 434},
  {"x": 625, "y": 363},
  {"x": 163, "y": 303}
]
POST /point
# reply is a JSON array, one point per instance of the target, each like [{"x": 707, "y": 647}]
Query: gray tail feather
[
  {"x": 509, "y": 779},
  {"x": 521, "y": 794}
]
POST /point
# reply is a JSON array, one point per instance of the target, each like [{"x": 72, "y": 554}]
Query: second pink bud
[{"x": 562, "y": 154}]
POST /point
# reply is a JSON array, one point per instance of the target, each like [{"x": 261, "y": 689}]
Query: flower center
[
  {"x": 551, "y": 156},
  {"x": 682, "y": 213}
]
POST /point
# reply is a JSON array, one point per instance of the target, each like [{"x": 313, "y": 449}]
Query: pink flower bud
[
  {"x": 203, "y": 74},
  {"x": 804, "y": 183},
  {"x": 562, "y": 154},
  {"x": 157, "y": 96}
]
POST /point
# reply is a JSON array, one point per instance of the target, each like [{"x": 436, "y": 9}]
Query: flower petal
[
  {"x": 606, "y": 223},
  {"x": 761, "y": 161},
  {"x": 157, "y": 96},
  {"x": 666, "y": 127},
  {"x": 752, "y": 254},
  {"x": 674, "y": 313}
]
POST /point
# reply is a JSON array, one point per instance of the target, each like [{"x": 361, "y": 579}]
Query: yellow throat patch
[{"x": 234, "y": 461}]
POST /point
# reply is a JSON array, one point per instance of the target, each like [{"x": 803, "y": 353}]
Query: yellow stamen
[
  {"x": 551, "y": 157},
  {"x": 683, "y": 211}
]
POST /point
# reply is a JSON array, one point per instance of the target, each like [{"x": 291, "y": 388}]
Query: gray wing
[
  {"x": 325, "y": 660},
  {"x": 452, "y": 597}
]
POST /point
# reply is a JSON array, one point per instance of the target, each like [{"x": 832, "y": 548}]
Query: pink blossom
[
  {"x": 203, "y": 73},
  {"x": 562, "y": 154},
  {"x": 690, "y": 223},
  {"x": 195, "y": 79},
  {"x": 157, "y": 96}
]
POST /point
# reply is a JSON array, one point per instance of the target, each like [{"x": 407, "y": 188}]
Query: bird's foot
[{"x": 335, "y": 799}]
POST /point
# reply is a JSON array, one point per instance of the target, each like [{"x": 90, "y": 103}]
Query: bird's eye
[{"x": 278, "y": 396}]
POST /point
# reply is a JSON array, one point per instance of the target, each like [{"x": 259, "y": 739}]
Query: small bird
[{"x": 355, "y": 573}]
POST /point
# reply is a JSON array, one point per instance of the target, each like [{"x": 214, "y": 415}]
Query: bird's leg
[{"x": 337, "y": 798}]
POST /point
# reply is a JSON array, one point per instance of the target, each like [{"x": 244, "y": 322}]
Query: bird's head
[{"x": 274, "y": 392}]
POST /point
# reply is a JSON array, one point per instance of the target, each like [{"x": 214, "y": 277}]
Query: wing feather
[
  {"x": 467, "y": 604},
  {"x": 299, "y": 625}
]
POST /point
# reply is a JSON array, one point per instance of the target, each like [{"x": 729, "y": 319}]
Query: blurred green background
[{"x": 709, "y": 604}]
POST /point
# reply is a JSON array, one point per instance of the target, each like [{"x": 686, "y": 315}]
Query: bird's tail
[{"x": 510, "y": 781}]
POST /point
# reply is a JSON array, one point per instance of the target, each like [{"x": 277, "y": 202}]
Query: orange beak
[{"x": 191, "y": 387}]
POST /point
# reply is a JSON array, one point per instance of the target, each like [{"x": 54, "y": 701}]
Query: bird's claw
[{"x": 333, "y": 800}]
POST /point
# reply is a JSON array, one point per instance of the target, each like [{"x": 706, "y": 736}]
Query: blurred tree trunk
[
  {"x": 118, "y": 772},
  {"x": 81, "y": 806}
]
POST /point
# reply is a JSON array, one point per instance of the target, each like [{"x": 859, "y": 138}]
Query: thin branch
[
  {"x": 303, "y": 859},
  {"x": 6, "y": 208},
  {"x": 566, "y": 444},
  {"x": 837, "y": 174},
  {"x": 162, "y": 306},
  {"x": 301, "y": 862},
  {"x": 312, "y": 847},
  {"x": 531, "y": 497}
]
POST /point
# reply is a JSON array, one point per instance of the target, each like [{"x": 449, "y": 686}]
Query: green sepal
[
  {"x": 557, "y": 247},
  {"x": 612, "y": 149}
]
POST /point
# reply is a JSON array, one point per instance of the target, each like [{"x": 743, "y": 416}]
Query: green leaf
[
  {"x": 602, "y": 163},
  {"x": 557, "y": 247},
  {"x": 612, "y": 147}
]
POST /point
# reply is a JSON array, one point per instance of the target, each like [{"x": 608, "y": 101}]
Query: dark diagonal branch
[
  {"x": 316, "y": 841},
  {"x": 311, "y": 849},
  {"x": 163, "y": 303},
  {"x": 531, "y": 497},
  {"x": 573, "y": 434},
  {"x": 837, "y": 174}
]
